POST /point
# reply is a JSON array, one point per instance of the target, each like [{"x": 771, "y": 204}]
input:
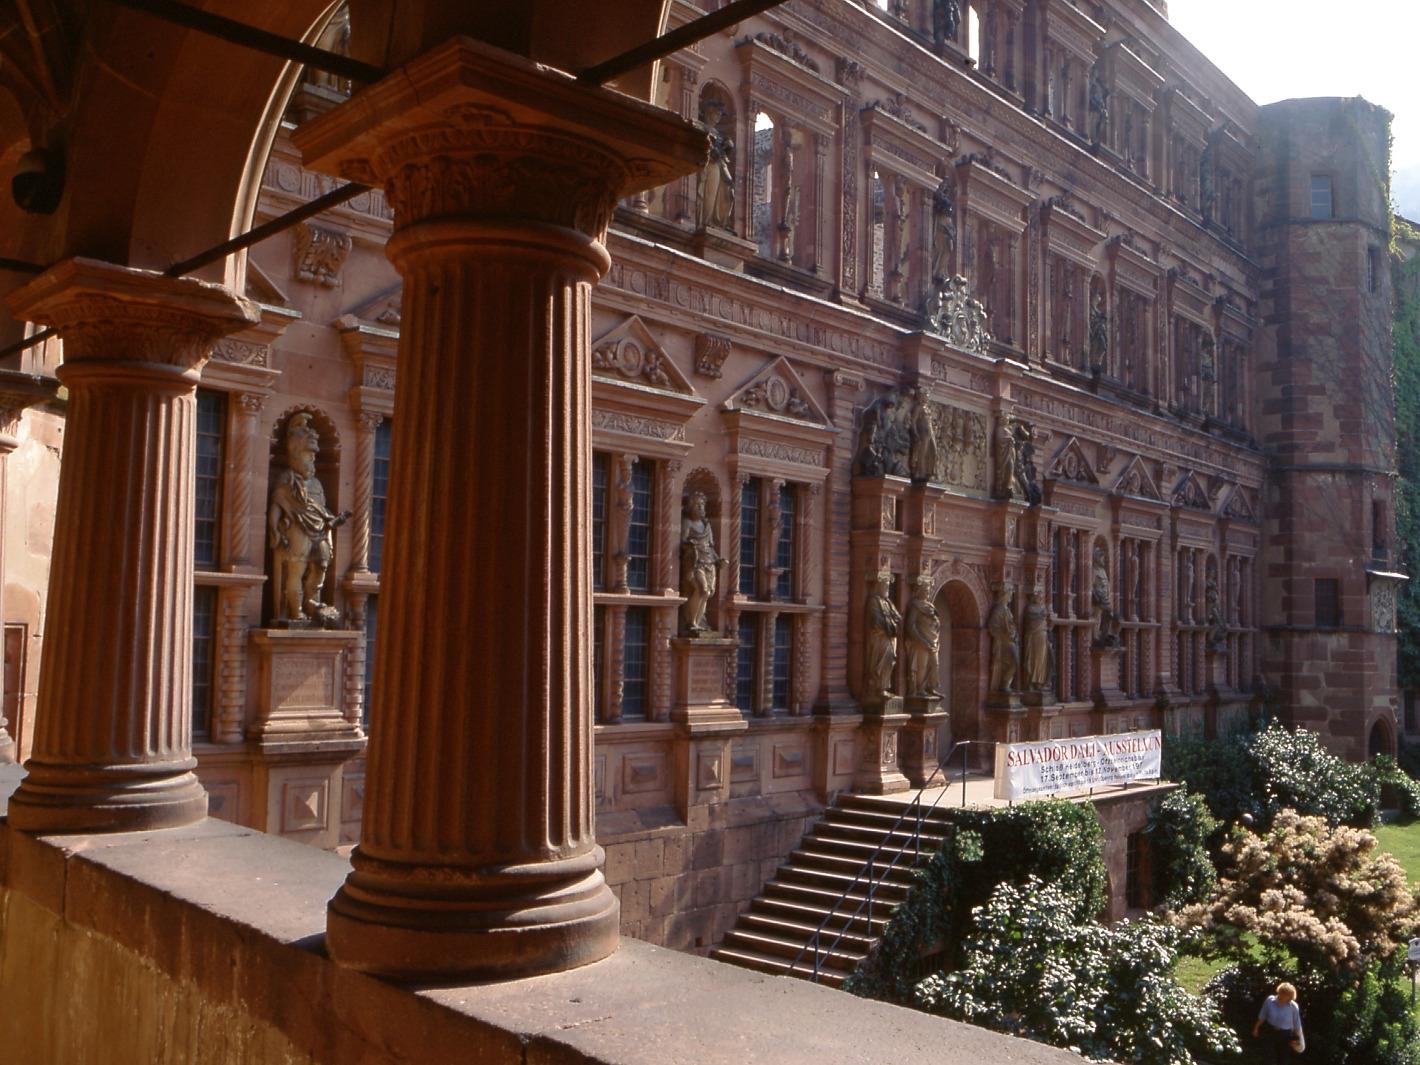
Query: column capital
[
  {"x": 109, "y": 312},
  {"x": 18, "y": 392},
  {"x": 469, "y": 130}
]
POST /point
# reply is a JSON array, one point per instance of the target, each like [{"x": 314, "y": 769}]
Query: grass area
[
  {"x": 1194, "y": 972},
  {"x": 1403, "y": 841}
]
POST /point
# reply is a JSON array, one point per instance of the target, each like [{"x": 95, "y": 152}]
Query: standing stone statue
[
  {"x": 1036, "y": 644},
  {"x": 944, "y": 230},
  {"x": 946, "y": 21},
  {"x": 1099, "y": 107},
  {"x": 1099, "y": 328},
  {"x": 1106, "y": 622},
  {"x": 699, "y": 565},
  {"x": 789, "y": 219},
  {"x": 881, "y": 622},
  {"x": 299, "y": 531},
  {"x": 1005, "y": 453},
  {"x": 715, "y": 190},
  {"x": 923, "y": 462},
  {"x": 902, "y": 208},
  {"x": 885, "y": 437},
  {"x": 1005, "y": 654},
  {"x": 1217, "y": 633},
  {"x": 1026, "y": 482},
  {"x": 923, "y": 630}
]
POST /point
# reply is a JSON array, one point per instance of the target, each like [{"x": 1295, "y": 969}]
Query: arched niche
[
  {"x": 962, "y": 659},
  {"x": 1381, "y": 739},
  {"x": 714, "y": 205}
]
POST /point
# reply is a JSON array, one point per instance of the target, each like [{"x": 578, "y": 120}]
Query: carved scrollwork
[{"x": 952, "y": 312}]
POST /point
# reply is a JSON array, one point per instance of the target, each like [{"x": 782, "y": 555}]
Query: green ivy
[
  {"x": 1181, "y": 828},
  {"x": 1405, "y": 279}
]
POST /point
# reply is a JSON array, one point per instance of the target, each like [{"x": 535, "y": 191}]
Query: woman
[{"x": 1283, "y": 1020}]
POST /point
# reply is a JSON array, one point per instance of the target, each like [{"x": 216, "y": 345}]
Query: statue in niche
[
  {"x": 1213, "y": 614},
  {"x": 1001, "y": 626},
  {"x": 1106, "y": 621},
  {"x": 789, "y": 219},
  {"x": 1186, "y": 598},
  {"x": 715, "y": 190},
  {"x": 699, "y": 565},
  {"x": 299, "y": 532},
  {"x": 1025, "y": 474},
  {"x": 881, "y": 622},
  {"x": 1099, "y": 107},
  {"x": 946, "y": 21},
  {"x": 924, "y": 452},
  {"x": 884, "y": 441},
  {"x": 944, "y": 230},
  {"x": 1099, "y": 327},
  {"x": 1036, "y": 640},
  {"x": 1207, "y": 195},
  {"x": 1009, "y": 458},
  {"x": 923, "y": 629},
  {"x": 902, "y": 209}
]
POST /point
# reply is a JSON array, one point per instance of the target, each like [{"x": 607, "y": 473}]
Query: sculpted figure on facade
[
  {"x": 299, "y": 531},
  {"x": 881, "y": 622},
  {"x": 1106, "y": 621},
  {"x": 902, "y": 210},
  {"x": 924, "y": 452},
  {"x": 923, "y": 630},
  {"x": 1025, "y": 477},
  {"x": 884, "y": 439},
  {"x": 699, "y": 565},
  {"x": 715, "y": 190},
  {"x": 1036, "y": 641},
  {"x": 1099, "y": 325},
  {"x": 951, "y": 311},
  {"x": 946, "y": 21},
  {"x": 1005, "y": 653},
  {"x": 1213, "y": 614},
  {"x": 789, "y": 215},
  {"x": 1099, "y": 107},
  {"x": 944, "y": 230}
]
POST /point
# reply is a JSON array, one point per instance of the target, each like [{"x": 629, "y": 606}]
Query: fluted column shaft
[
  {"x": 113, "y": 726},
  {"x": 477, "y": 854}
]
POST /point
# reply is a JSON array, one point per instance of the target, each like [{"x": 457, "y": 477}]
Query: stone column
[
  {"x": 478, "y": 857},
  {"x": 245, "y": 414},
  {"x": 367, "y": 423},
  {"x": 113, "y": 732}
]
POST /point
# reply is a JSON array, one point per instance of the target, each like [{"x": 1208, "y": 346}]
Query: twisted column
[
  {"x": 245, "y": 415},
  {"x": 367, "y": 422},
  {"x": 113, "y": 729},
  {"x": 477, "y": 856}
]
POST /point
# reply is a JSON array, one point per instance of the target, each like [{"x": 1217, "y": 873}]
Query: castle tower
[{"x": 1325, "y": 419}]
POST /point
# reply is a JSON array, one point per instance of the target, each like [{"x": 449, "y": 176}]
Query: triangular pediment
[
  {"x": 778, "y": 390},
  {"x": 261, "y": 288},
  {"x": 1136, "y": 480},
  {"x": 384, "y": 309},
  {"x": 1238, "y": 506},
  {"x": 1189, "y": 492},
  {"x": 631, "y": 354},
  {"x": 1070, "y": 464}
]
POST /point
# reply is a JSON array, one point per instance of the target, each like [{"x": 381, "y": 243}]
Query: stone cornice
[{"x": 779, "y": 84}]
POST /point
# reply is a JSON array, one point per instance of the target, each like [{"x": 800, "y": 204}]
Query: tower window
[
  {"x": 1328, "y": 603},
  {"x": 1321, "y": 199}
]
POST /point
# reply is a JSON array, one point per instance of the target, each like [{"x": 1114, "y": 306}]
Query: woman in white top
[{"x": 1283, "y": 1021}]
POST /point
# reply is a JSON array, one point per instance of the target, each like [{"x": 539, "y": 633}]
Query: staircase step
[
  {"x": 813, "y": 914},
  {"x": 865, "y": 848},
  {"x": 800, "y": 932},
  {"x": 775, "y": 966},
  {"x": 844, "y": 959},
  {"x": 810, "y": 857}
]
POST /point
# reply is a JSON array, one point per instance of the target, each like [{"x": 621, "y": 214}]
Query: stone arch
[
  {"x": 1380, "y": 739},
  {"x": 960, "y": 598}
]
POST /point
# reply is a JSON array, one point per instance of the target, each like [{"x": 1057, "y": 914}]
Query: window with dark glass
[
  {"x": 1328, "y": 603},
  {"x": 633, "y": 664},
  {"x": 638, "y": 533},
  {"x": 379, "y": 492},
  {"x": 598, "y": 657},
  {"x": 749, "y": 537},
  {"x": 204, "y": 640},
  {"x": 1378, "y": 529},
  {"x": 600, "y": 468},
  {"x": 1322, "y": 205},
  {"x": 211, "y": 422},
  {"x": 783, "y": 654},
  {"x": 1373, "y": 269},
  {"x": 372, "y": 629},
  {"x": 784, "y": 548},
  {"x": 748, "y": 632}
]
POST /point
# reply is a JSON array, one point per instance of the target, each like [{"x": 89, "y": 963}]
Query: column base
[
  {"x": 434, "y": 924},
  {"x": 918, "y": 742},
  {"x": 62, "y": 800}
]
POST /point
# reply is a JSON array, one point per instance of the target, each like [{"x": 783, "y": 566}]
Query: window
[
  {"x": 1321, "y": 199},
  {"x": 598, "y": 658},
  {"x": 379, "y": 493},
  {"x": 746, "y": 662},
  {"x": 1136, "y": 887},
  {"x": 633, "y": 664},
  {"x": 211, "y": 420},
  {"x": 1328, "y": 603},
  {"x": 784, "y": 547},
  {"x": 749, "y": 538},
  {"x": 372, "y": 628},
  {"x": 600, "y": 467},
  {"x": 1378, "y": 529},
  {"x": 1373, "y": 269},
  {"x": 204, "y": 638},
  {"x": 783, "y": 654},
  {"x": 638, "y": 532}
]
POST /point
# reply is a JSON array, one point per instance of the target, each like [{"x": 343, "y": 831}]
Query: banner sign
[{"x": 1034, "y": 770}]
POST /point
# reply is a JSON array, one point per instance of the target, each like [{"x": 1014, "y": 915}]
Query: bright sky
[{"x": 1279, "y": 49}]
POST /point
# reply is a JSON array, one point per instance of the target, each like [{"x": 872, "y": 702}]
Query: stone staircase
[{"x": 778, "y": 924}]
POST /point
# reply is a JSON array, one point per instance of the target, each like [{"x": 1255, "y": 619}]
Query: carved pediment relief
[
  {"x": 1238, "y": 506},
  {"x": 778, "y": 390},
  {"x": 1070, "y": 464},
  {"x": 1189, "y": 492},
  {"x": 1137, "y": 481},
  {"x": 631, "y": 353},
  {"x": 320, "y": 253},
  {"x": 384, "y": 309}
]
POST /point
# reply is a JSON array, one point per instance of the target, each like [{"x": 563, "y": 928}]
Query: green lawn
[{"x": 1403, "y": 841}]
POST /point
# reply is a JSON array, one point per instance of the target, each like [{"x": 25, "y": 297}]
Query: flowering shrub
[
  {"x": 1032, "y": 969},
  {"x": 1292, "y": 770},
  {"x": 1183, "y": 871}
]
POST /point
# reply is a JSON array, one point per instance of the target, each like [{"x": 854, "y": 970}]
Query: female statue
[
  {"x": 699, "y": 564},
  {"x": 880, "y": 623}
]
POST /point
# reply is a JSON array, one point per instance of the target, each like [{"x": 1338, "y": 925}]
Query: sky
[{"x": 1280, "y": 49}]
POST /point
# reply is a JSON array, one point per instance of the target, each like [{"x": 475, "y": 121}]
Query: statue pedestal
[
  {"x": 1217, "y": 689},
  {"x": 1041, "y": 710},
  {"x": 918, "y": 745},
  {"x": 707, "y": 721},
  {"x": 1006, "y": 717},
  {"x": 1105, "y": 665},
  {"x": 301, "y": 734},
  {"x": 722, "y": 247},
  {"x": 878, "y": 773}
]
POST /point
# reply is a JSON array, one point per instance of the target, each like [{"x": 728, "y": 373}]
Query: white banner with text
[{"x": 1051, "y": 767}]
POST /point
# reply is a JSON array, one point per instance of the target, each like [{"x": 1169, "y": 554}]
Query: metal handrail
[{"x": 816, "y": 939}]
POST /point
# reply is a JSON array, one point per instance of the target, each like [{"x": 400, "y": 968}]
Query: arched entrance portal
[
  {"x": 1381, "y": 740},
  {"x": 962, "y": 682}
]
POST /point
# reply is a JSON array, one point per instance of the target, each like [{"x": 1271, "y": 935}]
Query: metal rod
[
  {"x": 28, "y": 342},
  {"x": 674, "y": 40},
  {"x": 258, "y": 40},
  {"x": 19, "y": 266},
  {"x": 334, "y": 198}
]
